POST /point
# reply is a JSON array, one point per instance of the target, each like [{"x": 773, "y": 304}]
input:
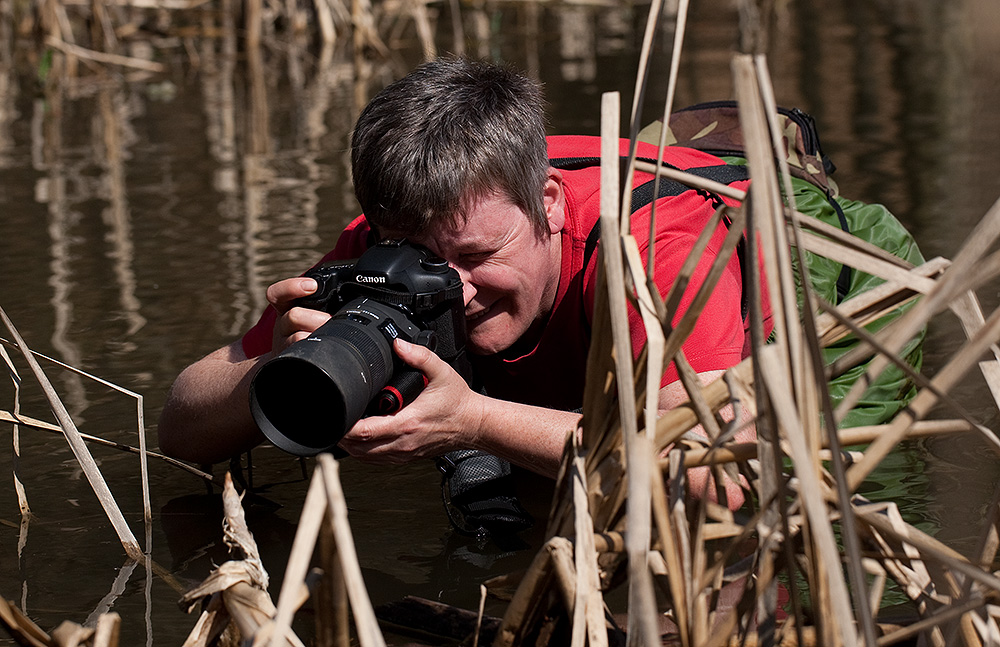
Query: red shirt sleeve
[{"x": 353, "y": 241}]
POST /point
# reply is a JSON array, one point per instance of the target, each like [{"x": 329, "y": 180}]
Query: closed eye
[{"x": 476, "y": 257}]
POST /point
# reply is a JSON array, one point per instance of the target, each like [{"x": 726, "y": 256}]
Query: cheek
[{"x": 494, "y": 280}]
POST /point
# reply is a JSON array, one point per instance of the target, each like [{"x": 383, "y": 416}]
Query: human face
[{"x": 510, "y": 274}]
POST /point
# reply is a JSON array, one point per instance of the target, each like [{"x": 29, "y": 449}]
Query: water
[{"x": 142, "y": 220}]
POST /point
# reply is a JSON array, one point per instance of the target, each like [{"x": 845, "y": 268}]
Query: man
[{"x": 454, "y": 157}]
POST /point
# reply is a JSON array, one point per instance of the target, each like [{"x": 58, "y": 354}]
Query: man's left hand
[{"x": 445, "y": 416}]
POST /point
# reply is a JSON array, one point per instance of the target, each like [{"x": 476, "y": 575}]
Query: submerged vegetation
[{"x": 806, "y": 561}]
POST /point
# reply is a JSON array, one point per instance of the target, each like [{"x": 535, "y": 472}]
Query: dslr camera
[{"x": 311, "y": 394}]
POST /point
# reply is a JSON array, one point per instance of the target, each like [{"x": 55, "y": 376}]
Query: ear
[{"x": 555, "y": 200}]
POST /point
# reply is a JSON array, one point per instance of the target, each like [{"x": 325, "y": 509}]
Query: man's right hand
[{"x": 294, "y": 323}]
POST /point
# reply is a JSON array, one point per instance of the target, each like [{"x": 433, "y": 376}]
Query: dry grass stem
[
  {"x": 79, "y": 448},
  {"x": 805, "y": 560},
  {"x": 22, "y": 497}
]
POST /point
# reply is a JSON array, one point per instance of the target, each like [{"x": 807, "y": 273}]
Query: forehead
[{"x": 487, "y": 224}]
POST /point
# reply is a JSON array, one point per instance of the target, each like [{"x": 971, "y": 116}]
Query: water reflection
[
  {"x": 51, "y": 191},
  {"x": 143, "y": 219}
]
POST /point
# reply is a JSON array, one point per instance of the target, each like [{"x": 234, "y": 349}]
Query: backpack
[{"x": 714, "y": 128}]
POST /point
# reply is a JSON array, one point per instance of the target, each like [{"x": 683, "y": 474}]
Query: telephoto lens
[{"x": 311, "y": 394}]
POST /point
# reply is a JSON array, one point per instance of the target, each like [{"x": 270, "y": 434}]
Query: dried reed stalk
[
  {"x": 79, "y": 448},
  {"x": 613, "y": 229},
  {"x": 236, "y": 591},
  {"x": 332, "y": 628},
  {"x": 22, "y": 497},
  {"x": 822, "y": 397},
  {"x": 696, "y": 456},
  {"x": 143, "y": 453},
  {"x": 100, "y": 57},
  {"x": 324, "y": 505},
  {"x": 20, "y": 420},
  {"x": 21, "y": 628},
  {"x": 104, "y": 633},
  {"x": 588, "y": 604},
  {"x": 788, "y": 381},
  {"x": 529, "y": 604}
]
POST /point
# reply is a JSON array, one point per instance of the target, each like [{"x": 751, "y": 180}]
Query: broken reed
[
  {"x": 122, "y": 34},
  {"x": 618, "y": 506},
  {"x": 680, "y": 554}
]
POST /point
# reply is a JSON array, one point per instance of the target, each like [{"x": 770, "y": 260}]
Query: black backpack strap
[
  {"x": 642, "y": 195},
  {"x": 844, "y": 278}
]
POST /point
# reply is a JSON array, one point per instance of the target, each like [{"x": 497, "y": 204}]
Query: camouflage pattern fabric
[{"x": 715, "y": 128}]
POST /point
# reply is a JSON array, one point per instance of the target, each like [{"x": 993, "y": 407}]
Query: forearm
[
  {"x": 700, "y": 480},
  {"x": 530, "y": 437},
  {"x": 206, "y": 418}
]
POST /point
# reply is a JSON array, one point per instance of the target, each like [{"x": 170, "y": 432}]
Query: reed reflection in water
[{"x": 145, "y": 213}]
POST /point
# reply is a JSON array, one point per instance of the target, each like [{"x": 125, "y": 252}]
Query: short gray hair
[{"x": 447, "y": 134}]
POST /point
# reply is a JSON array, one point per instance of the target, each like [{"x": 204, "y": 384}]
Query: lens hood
[{"x": 306, "y": 399}]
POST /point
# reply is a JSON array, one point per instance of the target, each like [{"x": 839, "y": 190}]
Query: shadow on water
[{"x": 145, "y": 213}]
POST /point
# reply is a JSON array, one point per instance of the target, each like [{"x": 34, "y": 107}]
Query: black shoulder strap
[
  {"x": 643, "y": 195},
  {"x": 846, "y": 275}
]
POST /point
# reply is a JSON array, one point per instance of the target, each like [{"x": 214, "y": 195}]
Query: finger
[
  {"x": 295, "y": 325},
  {"x": 303, "y": 319},
  {"x": 365, "y": 443},
  {"x": 362, "y": 449},
  {"x": 283, "y": 293},
  {"x": 420, "y": 358},
  {"x": 369, "y": 454}
]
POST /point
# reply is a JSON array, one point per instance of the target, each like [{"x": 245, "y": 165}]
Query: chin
[
  {"x": 489, "y": 338},
  {"x": 485, "y": 349},
  {"x": 485, "y": 342}
]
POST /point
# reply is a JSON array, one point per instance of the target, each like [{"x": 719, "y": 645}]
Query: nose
[
  {"x": 468, "y": 292},
  {"x": 468, "y": 288}
]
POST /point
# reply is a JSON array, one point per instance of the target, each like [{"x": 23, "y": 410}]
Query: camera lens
[{"x": 309, "y": 396}]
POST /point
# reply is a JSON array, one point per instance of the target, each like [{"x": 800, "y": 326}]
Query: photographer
[{"x": 454, "y": 157}]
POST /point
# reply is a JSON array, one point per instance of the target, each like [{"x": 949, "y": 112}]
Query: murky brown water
[{"x": 140, "y": 222}]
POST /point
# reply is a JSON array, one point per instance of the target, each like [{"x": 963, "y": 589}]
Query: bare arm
[
  {"x": 206, "y": 418},
  {"x": 448, "y": 415},
  {"x": 700, "y": 479}
]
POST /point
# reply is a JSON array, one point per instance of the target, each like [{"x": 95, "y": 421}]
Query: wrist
[{"x": 476, "y": 430}]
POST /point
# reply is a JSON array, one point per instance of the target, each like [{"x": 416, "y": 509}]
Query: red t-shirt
[{"x": 552, "y": 374}]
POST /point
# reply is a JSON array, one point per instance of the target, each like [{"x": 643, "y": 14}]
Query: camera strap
[{"x": 478, "y": 494}]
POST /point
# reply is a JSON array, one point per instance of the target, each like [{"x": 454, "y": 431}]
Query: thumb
[{"x": 419, "y": 357}]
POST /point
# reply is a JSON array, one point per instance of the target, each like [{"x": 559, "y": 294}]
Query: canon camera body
[{"x": 305, "y": 399}]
